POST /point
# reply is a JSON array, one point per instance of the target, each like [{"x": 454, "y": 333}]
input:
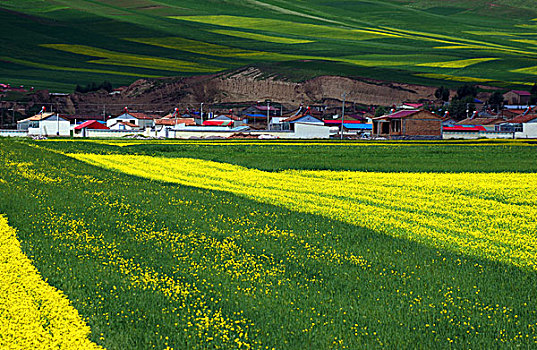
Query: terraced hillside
[{"x": 57, "y": 43}]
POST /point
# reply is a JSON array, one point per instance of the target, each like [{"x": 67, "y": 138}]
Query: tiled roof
[
  {"x": 297, "y": 117},
  {"x": 397, "y": 115},
  {"x": 522, "y": 119},
  {"x": 521, "y": 92},
  {"x": 38, "y": 117},
  {"x": 171, "y": 121},
  {"x": 141, "y": 116},
  {"x": 481, "y": 121}
]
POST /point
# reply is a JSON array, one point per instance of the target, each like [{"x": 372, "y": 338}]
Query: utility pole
[
  {"x": 343, "y": 113},
  {"x": 268, "y": 113},
  {"x": 40, "y": 120},
  {"x": 57, "y": 120}
]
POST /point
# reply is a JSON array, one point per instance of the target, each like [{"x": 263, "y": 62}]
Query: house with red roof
[
  {"x": 352, "y": 124},
  {"x": 489, "y": 123},
  {"x": 408, "y": 124},
  {"x": 81, "y": 129},
  {"x": 517, "y": 97}
]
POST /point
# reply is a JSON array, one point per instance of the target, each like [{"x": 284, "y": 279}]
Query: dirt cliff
[{"x": 244, "y": 85}]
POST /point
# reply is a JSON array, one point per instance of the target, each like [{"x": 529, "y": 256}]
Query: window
[{"x": 396, "y": 125}]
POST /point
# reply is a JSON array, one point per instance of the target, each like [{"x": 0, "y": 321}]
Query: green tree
[
  {"x": 442, "y": 93},
  {"x": 495, "y": 100},
  {"x": 533, "y": 96},
  {"x": 106, "y": 85},
  {"x": 461, "y": 108},
  {"x": 467, "y": 90},
  {"x": 381, "y": 111}
]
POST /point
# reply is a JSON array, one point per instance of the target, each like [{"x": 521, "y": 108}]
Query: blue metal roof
[
  {"x": 256, "y": 115},
  {"x": 358, "y": 126}
]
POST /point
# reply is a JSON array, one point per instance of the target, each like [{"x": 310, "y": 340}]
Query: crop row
[
  {"x": 34, "y": 314},
  {"x": 487, "y": 215}
]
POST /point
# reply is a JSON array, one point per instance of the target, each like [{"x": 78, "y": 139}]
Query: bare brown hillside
[{"x": 242, "y": 86}]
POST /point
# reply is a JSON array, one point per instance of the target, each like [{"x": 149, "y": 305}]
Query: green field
[
  {"x": 59, "y": 44},
  {"x": 196, "y": 262}
]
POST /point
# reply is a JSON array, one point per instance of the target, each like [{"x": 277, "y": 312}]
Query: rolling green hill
[{"x": 58, "y": 44}]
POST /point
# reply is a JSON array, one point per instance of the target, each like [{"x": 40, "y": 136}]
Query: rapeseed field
[
  {"x": 34, "y": 314},
  {"x": 153, "y": 249}
]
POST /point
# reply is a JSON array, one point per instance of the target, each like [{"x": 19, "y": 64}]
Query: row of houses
[{"x": 406, "y": 121}]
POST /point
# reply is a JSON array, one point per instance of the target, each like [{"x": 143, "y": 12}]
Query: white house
[
  {"x": 120, "y": 125},
  {"x": 141, "y": 120},
  {"x": 523, "y": 126},
  {"x": 45, "y": 124},
  {"x": 289, "y": 123}
]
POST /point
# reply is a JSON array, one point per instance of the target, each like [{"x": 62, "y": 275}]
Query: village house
[
  {"x": 45, "y": 124},
  {"x": 227, "y": 120},
  {"x": 82, "y": 129},
  {"x": 77, "y": 119},
  {"x": 517, "y": 97},
  {"x": 120, "y": 125},
  {"x": 261, "y": 109},
  {"x": 132, "y": 120},
  {"x": 353, "y": 125},
  {"x": 489, "y": 123},
  {"x": 523, "y": 126},
  {"x": 172, "y": 121},
  {"x": 408, "y": 124},
  {"x": 306, "y": 118},
  {"x": 463, "y": 131}
]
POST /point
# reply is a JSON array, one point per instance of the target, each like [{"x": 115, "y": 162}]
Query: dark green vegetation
[
  {"x": 429, "y": 156},
  {"x": 151, "y": 264},
  {"x": 399, "y": 40}
]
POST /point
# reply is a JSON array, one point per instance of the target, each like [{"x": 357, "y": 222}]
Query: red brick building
[{"x": 408, "y": 124}]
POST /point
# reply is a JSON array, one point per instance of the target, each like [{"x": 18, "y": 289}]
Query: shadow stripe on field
[{"x": 487, "y": 215}]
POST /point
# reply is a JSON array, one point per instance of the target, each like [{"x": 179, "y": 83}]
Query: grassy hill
[{"x": 58, "y": 44}]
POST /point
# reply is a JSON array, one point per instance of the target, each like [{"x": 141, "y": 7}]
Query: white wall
[
  {"x": 50, "y": 128},
  {"x": 113, "y": 121},
  {"x": 529, "y": 130},
  {"x": 311, "y": 131},
  {"x": 302, "y": 131},
  {"x": 113, "y": 133},
  {"x": 467, "y": 135},
  {"x": 13, "y": 133}
]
